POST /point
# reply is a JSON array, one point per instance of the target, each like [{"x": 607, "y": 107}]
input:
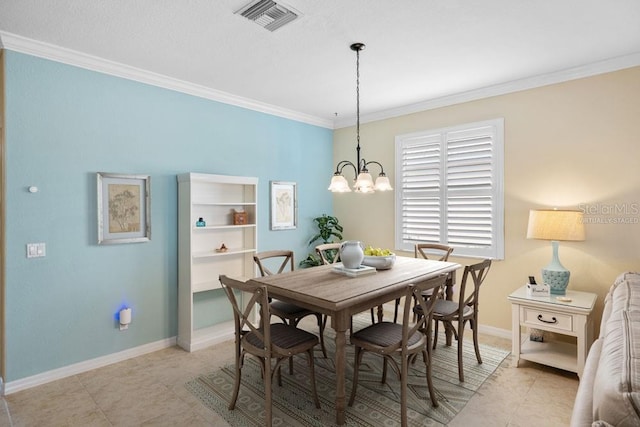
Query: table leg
[{"x": 341, "y": 362}]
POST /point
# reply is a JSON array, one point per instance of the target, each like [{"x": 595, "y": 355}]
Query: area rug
[{"x": 376, "y": 404}]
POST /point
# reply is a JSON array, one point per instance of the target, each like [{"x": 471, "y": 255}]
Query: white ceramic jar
[{"x": 351, "y": 253}]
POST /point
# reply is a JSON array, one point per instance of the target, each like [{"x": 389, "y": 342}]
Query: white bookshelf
[{"x": 214, "y": 198}]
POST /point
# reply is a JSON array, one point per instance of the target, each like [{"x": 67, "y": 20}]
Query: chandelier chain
[{"x": 358, "y": 97}]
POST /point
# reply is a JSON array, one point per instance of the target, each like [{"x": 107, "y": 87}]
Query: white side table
[{"x": 548, "y": 314}]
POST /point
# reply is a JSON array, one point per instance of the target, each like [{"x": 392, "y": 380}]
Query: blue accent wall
[{"x": 64, "y": 124}]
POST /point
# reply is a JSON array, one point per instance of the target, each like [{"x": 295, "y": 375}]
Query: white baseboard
[
  {"x": 490, "y": 330},
  {"x": 496, "y": 332},
  {"x": 206, "y": 337},
  {"x": 87, "y": 365},
  {"x": 221, "y": 334}
]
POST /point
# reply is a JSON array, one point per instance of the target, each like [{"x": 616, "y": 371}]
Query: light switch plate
[{"x": 36, "y": 250}]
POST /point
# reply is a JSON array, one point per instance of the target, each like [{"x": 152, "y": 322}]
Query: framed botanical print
[
  {"x": 124, "y": 208},
  {"x": 284, "y": 205}
]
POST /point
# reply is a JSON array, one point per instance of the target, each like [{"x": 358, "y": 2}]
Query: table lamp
[{"x": 555, "y": 225}]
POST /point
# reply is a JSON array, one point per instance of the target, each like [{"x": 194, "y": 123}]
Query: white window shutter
[
  {"x": 450, "y": 189},
  {"x": 421, "y": 189}
]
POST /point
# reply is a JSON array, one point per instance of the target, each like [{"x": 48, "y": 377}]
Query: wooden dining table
[{"x": 323, "y": 290}]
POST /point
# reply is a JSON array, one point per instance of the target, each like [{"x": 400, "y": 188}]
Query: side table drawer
[{"x": 548, "y": 319}]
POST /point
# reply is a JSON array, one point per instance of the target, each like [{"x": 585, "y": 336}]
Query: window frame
[{"x": 442, "y": 138}]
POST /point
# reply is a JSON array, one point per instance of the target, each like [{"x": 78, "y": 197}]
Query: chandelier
[{"x": 364, "y": 182}]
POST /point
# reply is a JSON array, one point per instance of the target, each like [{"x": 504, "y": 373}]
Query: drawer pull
[{"x": 552, "y": 321}]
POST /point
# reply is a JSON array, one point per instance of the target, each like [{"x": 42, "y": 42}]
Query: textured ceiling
[{"x": 416, "y": 50}]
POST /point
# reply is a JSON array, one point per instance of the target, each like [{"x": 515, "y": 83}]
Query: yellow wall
[{"x": 570, "y": 145}]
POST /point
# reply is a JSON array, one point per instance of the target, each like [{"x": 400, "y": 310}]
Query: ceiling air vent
[{"x": 268, "y": 14}]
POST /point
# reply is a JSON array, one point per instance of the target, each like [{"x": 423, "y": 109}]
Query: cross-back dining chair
[
  {"x": 264, "y": 340},
  {"x": 290, "y": 314},
  {"x": 329, "y": 253},
  {"x": 406, "y": 340},
  {"x": 464, "y": 310},
  {"x": 432, "y": 251},
  {"x": 427, "y": 251}
]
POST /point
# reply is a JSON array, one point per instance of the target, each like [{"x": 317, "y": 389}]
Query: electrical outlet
[{"x": 36, "y": 250}]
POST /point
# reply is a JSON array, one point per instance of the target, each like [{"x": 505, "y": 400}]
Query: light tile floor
[{"x": 149, "y": 391}]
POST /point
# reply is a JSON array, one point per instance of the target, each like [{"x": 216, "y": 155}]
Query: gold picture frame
[
  {"x": 284, "y": 205},
  {"x": 124, "y": 208}
]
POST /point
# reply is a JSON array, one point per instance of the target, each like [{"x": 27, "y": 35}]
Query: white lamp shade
[
  {"x": 339, "y": 184},
  {"x": 382, "y": 184},
  {"x": 548, "y": 224},
  {"x": 364, "y": 183}
]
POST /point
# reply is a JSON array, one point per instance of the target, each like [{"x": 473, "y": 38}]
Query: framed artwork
[
  {"x": 124, "y": 208},
  {"x": 284, "y": 205}
]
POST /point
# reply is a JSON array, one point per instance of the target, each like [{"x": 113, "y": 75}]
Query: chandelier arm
[
  {"x": 377, "y": 163},
  {"x": 341, "y": 165},
  {"x": 362, "y": 165}
]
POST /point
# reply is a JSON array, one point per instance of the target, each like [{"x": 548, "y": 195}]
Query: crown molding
[
  {"x": 601, "y": 67},
  {"x": 52, "y": 52}
]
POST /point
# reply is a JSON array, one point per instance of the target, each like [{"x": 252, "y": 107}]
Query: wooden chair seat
[
  {"x": 383, "y": 334},
  {"x": 447, "y": 308},
  {"x": 286, "y": 339}
]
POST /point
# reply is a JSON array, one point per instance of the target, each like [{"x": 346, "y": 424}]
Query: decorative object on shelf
[
  {"x": 201, "y": 223},
  {"x": 351, "y": 254},
  {"x": 556, "y": 225},
  {"x": 284, "y": 205},
  {"x": 124, "y": 208},
  {"x": 222, "y": 248},
  {"x": 536, "y": 335},
  {"x": 239, "y": 218},
  {"x": 364, "y": 182}
]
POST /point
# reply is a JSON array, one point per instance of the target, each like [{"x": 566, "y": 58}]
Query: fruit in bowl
[{"x": 380, "y": 259}]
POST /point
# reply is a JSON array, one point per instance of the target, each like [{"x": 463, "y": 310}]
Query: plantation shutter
[
  {"x": 449, "y": 189},
  {"x": 422, "y": 190}
]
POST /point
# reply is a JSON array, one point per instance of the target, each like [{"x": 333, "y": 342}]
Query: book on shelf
[{"x": 353, "y": 272}]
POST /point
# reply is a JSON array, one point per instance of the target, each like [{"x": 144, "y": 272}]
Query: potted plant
[{"x": 328, "y": 229}]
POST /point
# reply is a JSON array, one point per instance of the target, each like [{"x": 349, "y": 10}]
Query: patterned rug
[{"x": 376, "y": 404}]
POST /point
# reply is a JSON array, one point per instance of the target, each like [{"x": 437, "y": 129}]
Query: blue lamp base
[
  {"x": 555, "y": 275},
  {"x": 557, "y": 281}
]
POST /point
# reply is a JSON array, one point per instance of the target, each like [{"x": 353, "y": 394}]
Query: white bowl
[{"x": 379, "y": 262}]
